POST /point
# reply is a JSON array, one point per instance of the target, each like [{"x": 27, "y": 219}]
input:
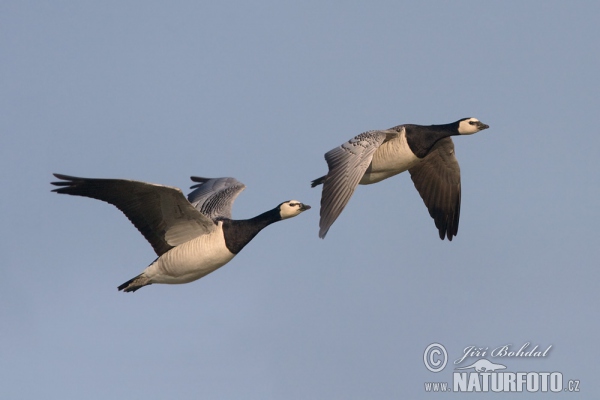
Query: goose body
[
  {"x": 427, "y": 152},
  {"x": 191, "y": 237},
  {"x": 391, "y": 158},
  {"x": 183, "y": 264}
]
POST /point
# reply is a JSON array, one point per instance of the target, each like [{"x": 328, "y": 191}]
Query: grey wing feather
[
  {"x": 214, "y": 197},
  {"x": 161, "y": 213},
  {"x": 347, "y": 165},
  {"x": 437, "y": 179}
]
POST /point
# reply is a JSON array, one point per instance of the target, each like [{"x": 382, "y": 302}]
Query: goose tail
[
  {"x": 135, "y": 283},
  {"x": 317, "y": 181}
]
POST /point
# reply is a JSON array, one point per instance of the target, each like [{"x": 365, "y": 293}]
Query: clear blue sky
[{"x": 260, "y": 91}]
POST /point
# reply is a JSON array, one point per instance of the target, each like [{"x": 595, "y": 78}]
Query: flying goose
[
  {"x": 191, "y": 238},
  {"x": 427, "y": 152}
]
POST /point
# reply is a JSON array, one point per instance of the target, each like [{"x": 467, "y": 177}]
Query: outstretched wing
[
  {"x": 214, "y": 197},
  {"x": 347, "y": 165},
  {"x": 161, "y": 213},
  {"x": 437, "y": 179}
]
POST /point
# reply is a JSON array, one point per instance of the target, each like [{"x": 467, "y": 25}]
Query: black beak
[
  {"x": 304, "y": 207},
  {"x": 482, "y": 126}
]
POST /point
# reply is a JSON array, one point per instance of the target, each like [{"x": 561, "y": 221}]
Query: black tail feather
[
  {"x": 134, "y": 284},
  {"x": 318, "y": 181}
]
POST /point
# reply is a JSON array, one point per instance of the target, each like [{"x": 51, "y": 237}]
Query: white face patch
[
  {"x": 469, "y": 126},
  {"x": 291, "y": 208}
]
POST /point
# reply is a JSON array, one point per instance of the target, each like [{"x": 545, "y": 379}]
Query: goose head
[
  {"x": 291, "y": 208},
  {"x": 469, "y": 126}
]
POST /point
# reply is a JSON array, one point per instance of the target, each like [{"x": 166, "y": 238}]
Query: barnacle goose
[
  {"x": 427, "y": 152},
  {"x": 192, "y": 237}
]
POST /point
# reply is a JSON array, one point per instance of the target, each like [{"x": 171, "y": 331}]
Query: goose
[
  {"x": 191, "y": 237},
  {"x": 427, "y": 152}
]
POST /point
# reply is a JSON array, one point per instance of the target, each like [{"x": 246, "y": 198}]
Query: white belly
[
  {"x": 391, "y": 158},
  {"x": 191, "y": 260}
]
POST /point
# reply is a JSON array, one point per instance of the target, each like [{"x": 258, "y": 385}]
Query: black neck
[
  {"x": 238, "y": 233},
  {"x": 421, "y": 138}
]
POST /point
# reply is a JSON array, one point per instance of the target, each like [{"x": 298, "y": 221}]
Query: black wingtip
[
  {"x": 59, "y": 176},
  {"x": 199, "y": 179},
  {"x": 323, "y": 232},
  {"x": 448, "y": 233},
  {"x": 66, "y": 181}
]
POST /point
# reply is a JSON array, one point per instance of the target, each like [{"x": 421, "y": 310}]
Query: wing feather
[
  {"x": 347, "y": 165},
  {"x": 214, "y": 197},
  {"x": 161, "y": 213},
  {"x": 437, "y": 179}
]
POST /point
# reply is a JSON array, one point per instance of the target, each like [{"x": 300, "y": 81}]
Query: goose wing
[
  {"x": 214, "y": 197},
  {"x": 161, "y": 213},
  {"x": 347, "y": 165},
  {"x": 437, "y": 179}
]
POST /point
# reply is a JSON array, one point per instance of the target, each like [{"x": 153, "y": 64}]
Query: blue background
[{"x": 260, "y": 91}]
